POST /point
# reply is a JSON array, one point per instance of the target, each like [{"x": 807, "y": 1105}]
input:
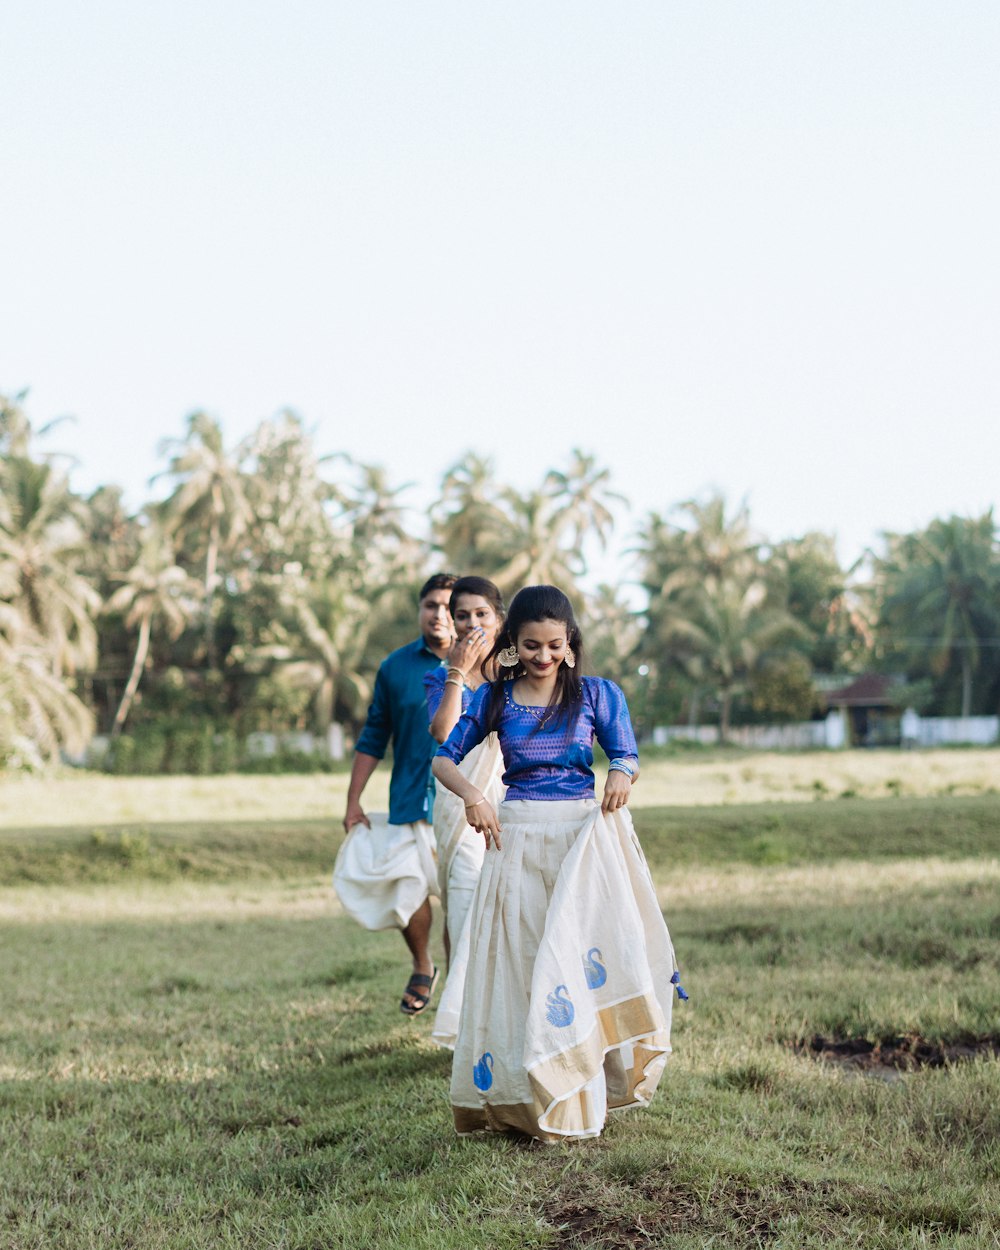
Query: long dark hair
[
  {"x": 484, "y": 588},
  {"x": 538, "y": 603}
]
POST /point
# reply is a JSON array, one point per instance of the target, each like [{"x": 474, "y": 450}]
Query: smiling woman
[{"x": 566, "y": 963}]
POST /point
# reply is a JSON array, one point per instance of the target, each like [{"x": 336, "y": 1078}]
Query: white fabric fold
[{"x": 384, "y": 873}]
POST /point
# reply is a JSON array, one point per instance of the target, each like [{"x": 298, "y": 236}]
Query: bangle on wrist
[
  {"x": 453, "y": 681},
  {"x": 622, "y": 766}
]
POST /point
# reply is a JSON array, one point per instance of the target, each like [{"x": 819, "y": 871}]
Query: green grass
[
  {"x": 198, "y": 1050},
  {"x": 751, "y": 834}
]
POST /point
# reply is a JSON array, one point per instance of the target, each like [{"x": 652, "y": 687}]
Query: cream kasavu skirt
[
  {"x": 460, "y": 849},
  {"x": 566, "y": 994}
]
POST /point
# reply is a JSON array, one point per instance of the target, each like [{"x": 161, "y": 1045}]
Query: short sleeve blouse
[{"x": 549, "y": 757}]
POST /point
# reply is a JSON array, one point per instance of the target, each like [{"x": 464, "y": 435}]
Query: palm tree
[
  {"x": 585, "y": 497},
  {"x": 720, "y": 630},
  {"x": 613, "y": 631},
  {"x": 373, "y": 510},
  {"x": 42, "y": 545},
  {"x": 113, "y": 536},
  {"x": 289, "y": 499},
  {"x": 208, "y": 504},
  {"x": 805, "y": 574},
  {"x": 379, "y": 558},
  {"x": 36, "y": 705},
  {"x": 536, "y": 538},
  {"x": 17, "y": 434},
  {"x": 318, "y": 644},
  {"x": 154, "y": 590},
  {"x": 709, "y": 611},
  {"x": 941, "y": 588},
  {"x": 471, "y": 518},
  {"x": 710, "y": 544}
]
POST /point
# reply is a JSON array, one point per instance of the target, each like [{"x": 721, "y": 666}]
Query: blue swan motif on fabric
[
  {"x": 593, "y": 969},
  {"x": 559, "y": 1010},
  {"x": 482, "y": 1072}
]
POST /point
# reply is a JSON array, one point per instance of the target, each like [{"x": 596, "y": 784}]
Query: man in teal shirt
[{"x": 398, "y": 713}]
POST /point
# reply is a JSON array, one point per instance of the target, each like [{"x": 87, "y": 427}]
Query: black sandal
[{"x": 420, "y": 986}]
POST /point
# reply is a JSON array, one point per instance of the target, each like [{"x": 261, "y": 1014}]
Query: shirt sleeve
[
  {"x": 470, "y": 730},
  {"x": 374, "y": 738},
  {"x": 612, "y": 723},
  {"x": 434, "y": 685}
]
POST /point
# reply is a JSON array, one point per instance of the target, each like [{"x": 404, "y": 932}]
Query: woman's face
[
  {"x": 472, "y": 612},
  {"x": 541, "y": 646}
]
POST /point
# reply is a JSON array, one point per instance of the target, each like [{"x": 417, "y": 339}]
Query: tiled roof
[{"x": 868, "y": 690}]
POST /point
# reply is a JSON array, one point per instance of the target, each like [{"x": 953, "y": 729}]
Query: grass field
[{"x": 198, "y": 1050}]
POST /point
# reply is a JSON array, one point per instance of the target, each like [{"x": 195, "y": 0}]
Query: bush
[
  {"x": 200, "y": 750},
  {"x": 152, "y": 753},
  {"x": 227, "y": 752},
  {"x": 120, "y": 756},
  {"x": 285, "y": 761}
]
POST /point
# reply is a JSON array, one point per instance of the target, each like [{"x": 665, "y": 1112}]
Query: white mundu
[{"x": 384, "y": 873}]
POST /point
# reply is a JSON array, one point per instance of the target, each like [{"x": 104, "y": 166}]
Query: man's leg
[{"x": 417, "y": 936}]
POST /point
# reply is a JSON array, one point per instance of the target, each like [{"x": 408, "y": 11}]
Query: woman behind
[
  {"x": 567, "y": 997},
  {"x": 477, "y": 611}
]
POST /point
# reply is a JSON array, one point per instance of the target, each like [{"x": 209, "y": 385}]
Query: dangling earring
[
  {"x": 508, "y": 657},
  {"x": 570, "y": 658}
]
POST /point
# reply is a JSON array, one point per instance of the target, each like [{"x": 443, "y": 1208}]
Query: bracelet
[
  {"x": 476, "y": 804},
  {"x": 451, "y": 681},
  {"x": 453, "y": 668},
  {"x": 622, "y": 766}
]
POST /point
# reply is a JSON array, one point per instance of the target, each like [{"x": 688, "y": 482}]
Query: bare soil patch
[
  {"x": 888, "y": 1057},
  {"x": 605, "y": 1217}
]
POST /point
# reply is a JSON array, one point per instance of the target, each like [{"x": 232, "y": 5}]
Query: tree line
[{"x": 263, "y": 585}]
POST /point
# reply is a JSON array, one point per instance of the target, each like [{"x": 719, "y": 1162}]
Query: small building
[{"x": 871, "y": 715}]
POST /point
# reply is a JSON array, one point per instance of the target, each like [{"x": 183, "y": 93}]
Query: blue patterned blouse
[
  {"x": 434, "y": 685},
  {"x": 549, "y": 758}
]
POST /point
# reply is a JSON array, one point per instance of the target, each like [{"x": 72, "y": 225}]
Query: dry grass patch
[
  {"x": 782, "y": 777},
  {"x": 698, "y": 778},
  {"x": 842, "y": 884},
  {"x": 98, "y": 799}
]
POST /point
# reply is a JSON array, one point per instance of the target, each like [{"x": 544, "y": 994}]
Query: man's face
[{"x": 435, "y": 619}]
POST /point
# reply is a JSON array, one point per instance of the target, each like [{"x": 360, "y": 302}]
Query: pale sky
[{"x": 736, "y": 245}]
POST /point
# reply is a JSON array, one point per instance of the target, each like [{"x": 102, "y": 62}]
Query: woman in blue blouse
[{"x": 567, "y": 995}]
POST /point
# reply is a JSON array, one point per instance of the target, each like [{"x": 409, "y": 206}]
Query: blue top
[
  {"x": 398, "y": 712},
  {"x": 434, "y": 689},
  {"x": 550, "y": 760}
]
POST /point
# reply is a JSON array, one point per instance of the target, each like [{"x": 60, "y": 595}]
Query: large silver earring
[
  {"x": 508, "y": 657},
  {"x": 570, "y": 658}
]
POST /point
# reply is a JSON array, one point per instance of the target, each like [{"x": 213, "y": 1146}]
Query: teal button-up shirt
[{"x": 398, "y": 714}]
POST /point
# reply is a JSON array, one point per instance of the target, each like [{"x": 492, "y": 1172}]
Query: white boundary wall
[
  {"x": 940, "y": 731},
  {"x": 797, "y": 737},
  {"x": 917, "y": 731}
]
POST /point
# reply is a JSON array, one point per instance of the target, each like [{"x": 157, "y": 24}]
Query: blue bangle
[{"x": 622, "y": 766}]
